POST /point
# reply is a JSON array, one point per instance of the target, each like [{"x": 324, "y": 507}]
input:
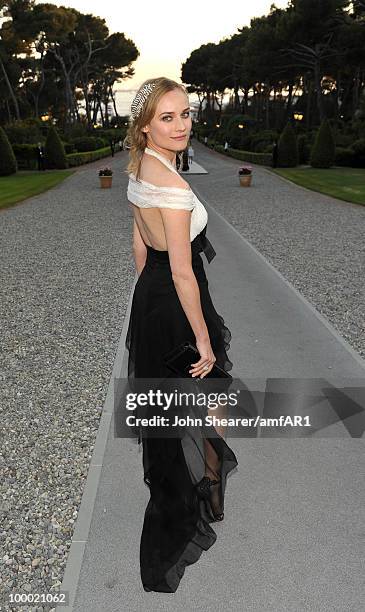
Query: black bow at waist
[{"x": 205, "y": 245}]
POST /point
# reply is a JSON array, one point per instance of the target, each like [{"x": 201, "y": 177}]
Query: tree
[
  {"x": 11, "y": 45},
  {"x": 313, "y": 28}
]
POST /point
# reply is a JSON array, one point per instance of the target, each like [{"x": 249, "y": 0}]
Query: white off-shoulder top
[{"x": 147, "y": 195}]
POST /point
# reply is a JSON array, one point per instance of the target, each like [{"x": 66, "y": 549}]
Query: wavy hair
[{"x": 136, "y": 140}]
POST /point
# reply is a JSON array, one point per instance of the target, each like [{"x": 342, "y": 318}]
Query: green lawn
[
  {"x": 23, "y": 184},
  {"x": 343, "y": 183}
]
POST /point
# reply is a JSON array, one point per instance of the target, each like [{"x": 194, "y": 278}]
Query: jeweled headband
[{"x": 141, "y": 98}]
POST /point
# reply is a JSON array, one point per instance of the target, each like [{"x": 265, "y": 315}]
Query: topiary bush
[
  {"x": 55, "y": 152},
  {"x": 344, "y": 156},
  {"x": 303, "y": 149},
  {"x": 8, "y": 163},
  {"x": 358, "y": 148},
  {"x": 264, "y": 159},
  {"x": 24, "y": 131},
  {"x": 344, "y": 140},
  {"x": 26, "y": 156},
  {"x": 77, "y": 159},
  {"x": 88, "y": 143},
  {"x": 262, "y": 141},
  {"x": 288, "y": 156},
  {"x": 324, "y": 148}
]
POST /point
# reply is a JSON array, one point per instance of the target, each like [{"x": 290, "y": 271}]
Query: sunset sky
[{"x": 165, "y": 33}]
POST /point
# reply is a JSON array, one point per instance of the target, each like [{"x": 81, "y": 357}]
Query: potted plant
[
  {"x": 106, "y": 176},
  {"x": 245, "y": 176}
]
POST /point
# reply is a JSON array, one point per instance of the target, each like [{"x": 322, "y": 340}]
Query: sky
[{"x": 166, "y": 32}]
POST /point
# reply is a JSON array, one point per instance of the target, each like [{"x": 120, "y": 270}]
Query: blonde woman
[{"x": 171, "y": 304}]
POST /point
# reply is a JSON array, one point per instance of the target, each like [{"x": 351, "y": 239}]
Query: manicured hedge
[
  {"x": 77, "y": 159},
  {"x": 85, "y": 144},
  {"x": 26, "y": 156},
  {"x": 262, "y": 159}
]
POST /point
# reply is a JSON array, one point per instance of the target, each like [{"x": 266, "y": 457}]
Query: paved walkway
[{"x": 293, "y": 528}]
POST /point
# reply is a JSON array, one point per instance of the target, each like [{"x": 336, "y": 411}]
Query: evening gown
[{"x": 177, "y": 521}]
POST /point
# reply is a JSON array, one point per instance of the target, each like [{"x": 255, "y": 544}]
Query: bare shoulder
[{"x": 155, "y": 172}]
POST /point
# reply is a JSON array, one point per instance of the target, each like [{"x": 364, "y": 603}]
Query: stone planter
[
  {"x": 245, "y": 180},
  {"x": 105, "y": 182}
]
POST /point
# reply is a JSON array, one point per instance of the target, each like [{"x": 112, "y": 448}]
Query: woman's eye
[{"x": 169, "y": 117}]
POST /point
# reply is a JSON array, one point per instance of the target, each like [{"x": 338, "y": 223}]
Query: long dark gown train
[{"x": 176, "y": 526}]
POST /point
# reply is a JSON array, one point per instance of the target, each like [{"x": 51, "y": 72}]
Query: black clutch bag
[{"x": 181, "y": 358}]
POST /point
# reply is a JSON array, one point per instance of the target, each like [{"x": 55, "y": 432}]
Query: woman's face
[{"x": 172, "y": 119}]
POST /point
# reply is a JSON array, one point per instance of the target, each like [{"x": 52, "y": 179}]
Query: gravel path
[
  {"x": 315, "y": 241},
  {"x": 67, "y": 272}
]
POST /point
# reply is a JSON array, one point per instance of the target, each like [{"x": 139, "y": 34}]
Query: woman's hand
[{"x": 207, "y": 358}]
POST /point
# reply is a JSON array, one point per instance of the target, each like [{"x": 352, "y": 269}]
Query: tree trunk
[
  {"x": 8, "y": 109},
  {"x": 337, "y": 104},
  {"x": 355, "y": 91},
  {"x": 11, "y": 91},
  {"x": 244, "y": 105},
  {"x": 318, "y": 85},
  {"x": 289, "y": 102},
  {"x": 309, "y": 104},
  {"x": 114, "y": 103},
  {"x": 87, "y": 104},
  {"x": 267, "y": 108},
  {"x": 236, "y": 103}
]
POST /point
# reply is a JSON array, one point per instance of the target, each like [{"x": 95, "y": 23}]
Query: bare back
[{"x": 149, "y": 220}]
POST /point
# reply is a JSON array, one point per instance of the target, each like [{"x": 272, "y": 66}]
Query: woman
[{"x": 171, "y": 304}]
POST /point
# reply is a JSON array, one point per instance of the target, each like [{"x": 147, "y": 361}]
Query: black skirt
[{"x": 177, "y": 522}]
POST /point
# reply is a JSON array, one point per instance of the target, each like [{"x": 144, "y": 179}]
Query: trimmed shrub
[
  {"x": 69, "y": 147},
  {"x": 344, "y": 156},
  {"x": 77, "y": 159},
  {"x": 88, "y": 143},
  {"x": 344, "y": 140},
  {"x": 288, "y": 156},
  {"x": 263, "y": 159},
  {"x": 55, "y": 152},
  {"x": 324, "y": 148},
  {"x": 8, "y": 163},
  {"x": 358, "y": 148},
  {"x": 26, "y": 156},
  {"x": 24, "y": 131},
  {"x": 261, "y": 141},
  {"x": 110, "y": 134},
  {"x": 303, "y": 149}
]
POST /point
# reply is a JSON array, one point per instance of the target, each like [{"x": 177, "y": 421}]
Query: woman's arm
[
  {"x": 177, "y": 232},
  {"x": 139, "y": 249}
]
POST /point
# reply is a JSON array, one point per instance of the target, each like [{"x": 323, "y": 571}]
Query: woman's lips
[{"x": 178, "y": 137}]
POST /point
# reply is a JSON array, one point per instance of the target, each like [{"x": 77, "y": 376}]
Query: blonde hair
[{"x": 136, "y": 140}]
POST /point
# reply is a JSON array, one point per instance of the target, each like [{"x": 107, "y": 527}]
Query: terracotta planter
[
  {"x": 245, "y": 180},
  {"x": 105, "y": 182}
]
